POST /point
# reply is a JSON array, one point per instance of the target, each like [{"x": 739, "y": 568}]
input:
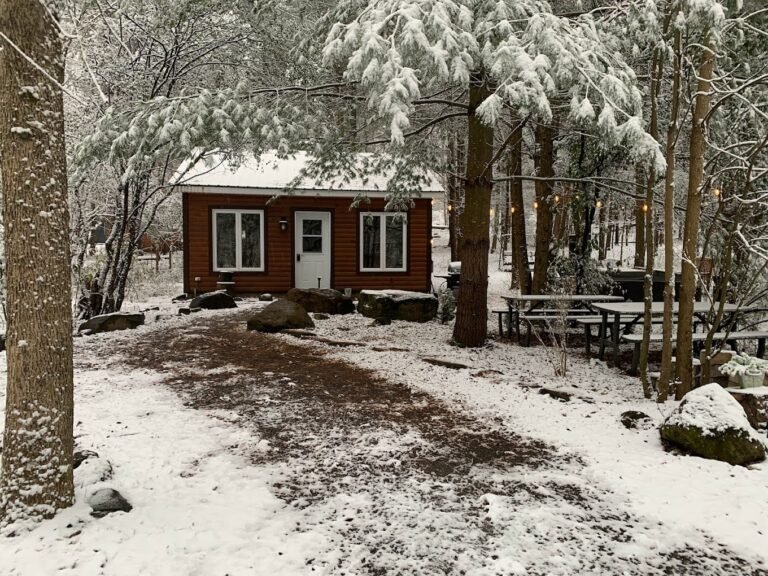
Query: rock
[
  {"x": 194, "y": 310},
  {"x": 388, "y": 305},
  {"x": 754, "y": 401},
  {"x": 323, "y": 300},
  {"x": 183, "y": 311},
  {"x": 280, "y": 315},
  {"x": 634, "y": 419},
  {"x": 180, "y": 298},
  {"x": 112, "y": 322},
  {"x": 320, "y": 316},
  {"x": 557, "y": 394},
  {"x": 106, "y": 501},
  {"x": 445, "y": 363},
  {"x": 711, "y": 424},
  {"x": 265, "y": 298},
  {"x": 218, "y": 300},
  {"x": 81, "y": 456}
]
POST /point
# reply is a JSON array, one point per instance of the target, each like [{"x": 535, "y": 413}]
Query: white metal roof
[{"x": 269, "y": 174}]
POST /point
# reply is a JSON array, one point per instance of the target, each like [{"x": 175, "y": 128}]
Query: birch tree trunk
[
  {"x": 36, "y": 475},
  {"x": 698, "y": 146},
  {"x": 471, "y": 326}
]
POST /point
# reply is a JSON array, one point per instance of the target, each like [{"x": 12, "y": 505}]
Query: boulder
[
  {"x": 711, "y": 424},
  {"x": 323, "y": 300},
  {"x": 106, "y": 501},
  {"x": 280, "y": 315},
  {"x": 265, "y": 297},
  {"x": 213, "y": 301},
  {"x": 388, "y": 305},
  {"x": 111, "y": 322},
  {"x": 81, "y": 456},
  {"x": 634, "y": 419},
  {"x": 180, "y": 298}
]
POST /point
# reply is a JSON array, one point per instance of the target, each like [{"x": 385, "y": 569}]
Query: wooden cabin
[{"x": 240, "y": 225}]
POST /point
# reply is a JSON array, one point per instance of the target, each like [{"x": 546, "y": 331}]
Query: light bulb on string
[{"x": 535, "y": 204}]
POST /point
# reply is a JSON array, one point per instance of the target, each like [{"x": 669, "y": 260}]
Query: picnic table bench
[
  {"x": 530, "y": 308},
  {"x": 699, "y": 337},
  {"x": 619, "y": 311}
]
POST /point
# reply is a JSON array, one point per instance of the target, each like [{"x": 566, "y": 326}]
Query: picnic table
[
  {"x": 628, "y": 314},
  {"x": 530, "y": 306}
]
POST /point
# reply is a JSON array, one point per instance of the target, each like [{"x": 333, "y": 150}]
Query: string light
[
  {"x": 493, "y": 212},
  {"x": 512, "y": 210},
  {"x": 645, "y": 207},
  {"x": 599, "y": 204},
  {"x": 716, "y": 192},
  {"x": 557, "y": 198},
  {"x": 450, "y": 207},
  {"x": 535, "y": 204}
]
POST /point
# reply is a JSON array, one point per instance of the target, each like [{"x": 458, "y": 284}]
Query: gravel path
[{"x": 405, "y": 484}]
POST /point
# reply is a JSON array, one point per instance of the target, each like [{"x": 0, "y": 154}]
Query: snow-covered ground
[{"x": 203, "y": 505}]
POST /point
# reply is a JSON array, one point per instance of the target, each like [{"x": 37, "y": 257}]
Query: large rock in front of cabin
[
  {"x": 388, "y": 305},
  {"x": 711, "y": 424},
  {"x": 112, "y": 322},
  {"x": 280, "y": 315},
  {"x": 322, "y": 300},
  {"x": 218, "y": 300}
]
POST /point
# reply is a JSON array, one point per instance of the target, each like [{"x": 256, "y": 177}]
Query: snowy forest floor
[{"x": 245, "y": 453}]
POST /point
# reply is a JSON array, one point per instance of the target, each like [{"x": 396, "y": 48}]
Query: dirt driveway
[{"x": 406, "y": 484}]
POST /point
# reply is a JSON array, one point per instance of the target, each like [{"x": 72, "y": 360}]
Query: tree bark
[
  {"x": 471, "y": 325},
  {"x": 36, "y": 476},
  {"x": 519, "y": 237},
  {"x": 698, "y": 147},
  {"x": 656, "y": 70},
  {"x": 545, "y": 162},
  {"x": 669, "y": 233}
]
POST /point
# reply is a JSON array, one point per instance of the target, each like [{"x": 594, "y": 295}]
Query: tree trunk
[
  {"x": 517, "y": 207},
  {"x": 453, "y": 198},
  {"x": 36, "y": 476},
  {"x": 691, "y": 232},
  {"x": 656, "y": 70},
  {"x": 639, "y": 220},
  {"x": 669, "y": 233},
  {"x": 545, "y": 161},
  {"x": 472, "y": 307}
]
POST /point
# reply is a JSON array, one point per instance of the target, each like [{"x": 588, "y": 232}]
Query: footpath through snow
[{"x": 244, "y": 453}]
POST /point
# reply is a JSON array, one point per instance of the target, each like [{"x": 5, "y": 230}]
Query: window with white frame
[
  {"x": 238, "y": 240},
  {"x": 383, "y": 241}
]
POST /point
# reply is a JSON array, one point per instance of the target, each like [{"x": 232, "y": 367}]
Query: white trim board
[{"x": 304, "y": 193}]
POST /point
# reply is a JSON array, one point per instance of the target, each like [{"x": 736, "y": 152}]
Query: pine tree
[{"x": 36, "y": 475}]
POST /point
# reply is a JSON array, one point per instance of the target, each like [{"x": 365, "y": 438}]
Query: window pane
[
  {"x": 225, "y": 241},
  {"x": 394, "y": 239},
  {"x": 251, "y": 233},
  {"x": 311, "y": 244},
  {"x": 312, "y": 227},
  {"x": 371, "y": 241}
]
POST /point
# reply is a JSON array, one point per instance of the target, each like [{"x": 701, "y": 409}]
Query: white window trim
[
  {"x": 238, "y": 240},
  {"x": 382, "y": 242}
]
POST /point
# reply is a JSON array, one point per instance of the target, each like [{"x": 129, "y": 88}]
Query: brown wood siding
[{"x": 278, "y": 274}]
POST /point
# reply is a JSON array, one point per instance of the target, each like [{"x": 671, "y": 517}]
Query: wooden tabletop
[
  {"x": 658, "y": 307},
  {"x": 564, "y": 298}
]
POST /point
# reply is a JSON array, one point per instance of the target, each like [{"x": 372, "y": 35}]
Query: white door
[{"x": 313, "y": 250}]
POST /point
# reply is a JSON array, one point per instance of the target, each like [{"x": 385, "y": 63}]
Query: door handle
[{"x": 298, "y": 257}]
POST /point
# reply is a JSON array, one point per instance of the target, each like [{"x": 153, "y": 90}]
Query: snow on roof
[{"x": 270, "y": 173}]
